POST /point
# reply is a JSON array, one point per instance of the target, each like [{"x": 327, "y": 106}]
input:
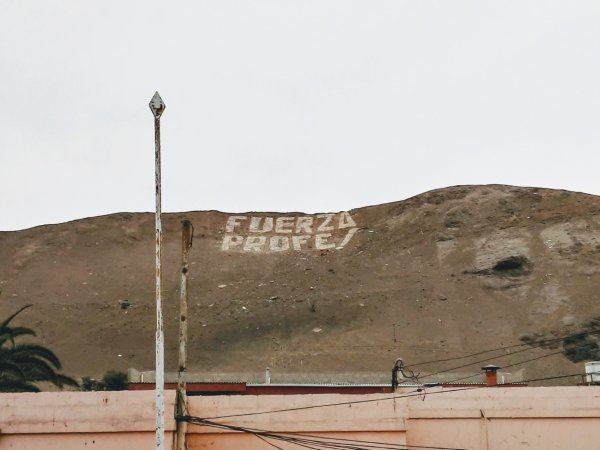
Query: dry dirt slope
[{"x": 446, "y": 273}]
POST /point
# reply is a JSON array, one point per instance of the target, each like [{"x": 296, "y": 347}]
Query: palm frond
[
  {"x": 36, "y": 369},
  {"x": 11, "y": 369},
  {"x": 7, "y": 321},
  {"x": 38, "y": 351},
  {"x": 14, "y": 385},
  {"x": 10, "y": 333},
  {"x": 23, "y": 365},
  {"x": 64, "y": 380}
]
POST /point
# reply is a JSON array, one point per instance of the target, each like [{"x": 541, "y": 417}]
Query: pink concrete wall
[
  {"x": 487, "y": 418},
  {"x": 81, "y": 420},
  {"x": 549, "y": 418}
]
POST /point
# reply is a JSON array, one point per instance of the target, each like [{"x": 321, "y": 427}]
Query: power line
[
  {"x": 312, "y": 441},
  {"x": 417, "y": 378},
  {"x": 270, "y": 443},
  {"x": 262, "y": 434},
  {"x": 475, "y": 362},
  {"x": 321, "y": 442},
  {"x": 373, "y": 444},
  {"x": 561, "y": 376},
  {"x": 531, "y": 344},
  {"x": 301, "y": 408},
  {"x": 489, "y": 359},
  {"x": 508, "y": 365},
  {"x": 532, "y": 359},
  {"x": 415, "y": 393}
]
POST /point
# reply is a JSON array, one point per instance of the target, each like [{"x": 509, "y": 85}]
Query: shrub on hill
[{"x": 113, "y": 380}]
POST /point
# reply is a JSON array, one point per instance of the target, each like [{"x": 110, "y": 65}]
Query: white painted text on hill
[{"x": 278, "y": 234}]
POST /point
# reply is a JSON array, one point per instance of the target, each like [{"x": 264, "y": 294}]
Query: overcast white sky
[{"x": 290, "y": 105}]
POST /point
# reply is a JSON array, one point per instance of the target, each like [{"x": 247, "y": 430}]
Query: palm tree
[{"x": 23, "y": 365}]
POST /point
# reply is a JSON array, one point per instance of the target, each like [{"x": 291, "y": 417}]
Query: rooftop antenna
[{"x": 157, "y": 106}]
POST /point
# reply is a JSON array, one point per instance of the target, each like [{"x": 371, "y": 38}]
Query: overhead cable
[
  {"x": 414, "y": 393},
  {"x": 313, "y": 441}
]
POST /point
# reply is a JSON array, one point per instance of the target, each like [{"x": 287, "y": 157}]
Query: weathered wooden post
[{"x": 187, "y": 235}]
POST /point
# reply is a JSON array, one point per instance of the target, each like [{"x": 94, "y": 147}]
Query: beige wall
[{"x": 486, "y": 418}]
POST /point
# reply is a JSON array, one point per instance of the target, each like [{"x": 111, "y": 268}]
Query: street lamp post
[{"x": 157, "y": 107}]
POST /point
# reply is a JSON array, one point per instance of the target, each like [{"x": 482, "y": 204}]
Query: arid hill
[{"x": 444, "y": 274}]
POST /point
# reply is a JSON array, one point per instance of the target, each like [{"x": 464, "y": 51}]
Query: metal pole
[
  {"x": 157, "y": 107},
  {"x": 187, "y": 234}
]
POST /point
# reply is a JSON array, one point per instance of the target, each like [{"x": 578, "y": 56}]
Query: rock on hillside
[{"x": 444, "y": 274}]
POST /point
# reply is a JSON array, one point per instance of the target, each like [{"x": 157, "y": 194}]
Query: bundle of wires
[{"x": 308, "y": 440}]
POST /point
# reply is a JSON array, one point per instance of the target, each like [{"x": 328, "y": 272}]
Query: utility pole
[
  {"x": 187, "y": 235},
  {"x": 157, "y": 107}
]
